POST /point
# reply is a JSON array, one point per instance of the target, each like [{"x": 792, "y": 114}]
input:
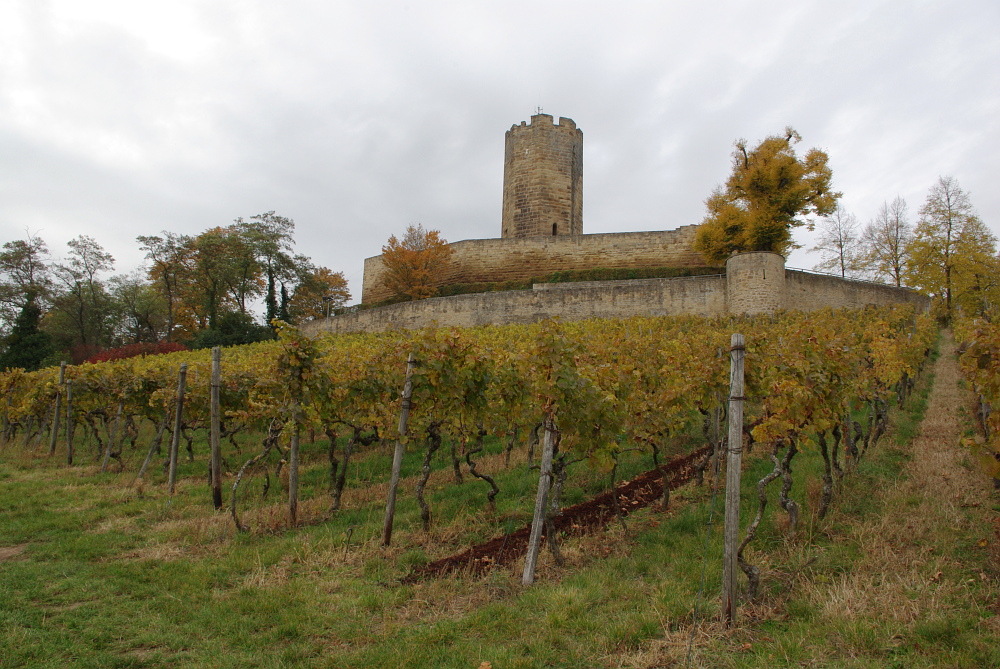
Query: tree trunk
[
  {"x": 559, "y": 474},
  {"x": 55, "y": 417},
  {"x": 494, "y": 490},
  {"x": 789, "y": 505},
  {"x": 293, "y": 468},
  {"x": 215, "y": 428},
  {"x": 112, "y": 436},
  {"x": 154, "y": 447},
  {"x": 827, "y": 496},
  {"x": 433, "y": 444}
]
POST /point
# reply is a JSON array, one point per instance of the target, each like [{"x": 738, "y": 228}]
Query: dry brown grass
[{"x": 902, "y": 574}]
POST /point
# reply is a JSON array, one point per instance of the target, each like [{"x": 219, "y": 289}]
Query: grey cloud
[{"x": 357, "y": 119}]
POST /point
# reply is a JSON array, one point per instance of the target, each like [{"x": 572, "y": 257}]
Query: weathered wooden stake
[
  {"x": 55, "y": 420},
  {"x": 397, "y": 455},
  {"x": 730, "y": 568},
  {"x": 69, "y": 422},
  {"x": 178, "y": 419},
  {"x": 538, "y": 521},
  {"x": 215, "y": 428}
]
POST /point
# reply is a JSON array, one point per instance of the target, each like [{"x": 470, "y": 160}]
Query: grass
[{"x": 97, "y": 573}]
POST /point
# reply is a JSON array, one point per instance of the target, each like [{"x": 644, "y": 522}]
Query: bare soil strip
[
  {"x": 11, "y": 552},
  {"x": 582, "y": 518}
]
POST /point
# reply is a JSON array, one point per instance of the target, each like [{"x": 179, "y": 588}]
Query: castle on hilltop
[
  {"x": 541, "y": 233},
  {"x": 541, "y": 228}
]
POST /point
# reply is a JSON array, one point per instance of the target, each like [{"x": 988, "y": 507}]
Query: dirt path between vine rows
[
  {"x": 917, "y": 557},
  {"x": 926, "y": 509}
]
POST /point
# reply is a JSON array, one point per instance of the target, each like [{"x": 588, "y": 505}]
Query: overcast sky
[{"x": 127, "y": 117}]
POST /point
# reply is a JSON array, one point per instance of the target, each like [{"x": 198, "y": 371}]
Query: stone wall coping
[
  {"x": 846, "y": 278},
  {"x": 755, "y": 253},
  {"x": 582, "y": 238},
  {"x": 612, "y": 283}
]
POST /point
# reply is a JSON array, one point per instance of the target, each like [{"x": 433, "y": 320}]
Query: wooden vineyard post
[
  {"x": 397, "y": 455},
  {"x": 58, "y": 409},
  {"x": 69, "y": 422},
  {"x": 541, "y": 497},
  {"x": 178, "y": 418},
  {"x": 215, "y": 428},
  {"x": 734, "y": 459}
]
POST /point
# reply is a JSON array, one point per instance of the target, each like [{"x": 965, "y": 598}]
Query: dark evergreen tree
[
  {"x": 26, "y": 346},
  {"x": 283, "y": 308}
]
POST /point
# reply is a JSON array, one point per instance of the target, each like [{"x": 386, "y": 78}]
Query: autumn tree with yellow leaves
[
  {"x": 413, "y": 264},
  {"x": 953, "y": 254},
  {"x": 769, "y": 192}
]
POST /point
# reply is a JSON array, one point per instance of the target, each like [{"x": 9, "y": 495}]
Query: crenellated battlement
[{"x": 545, "y": 120}]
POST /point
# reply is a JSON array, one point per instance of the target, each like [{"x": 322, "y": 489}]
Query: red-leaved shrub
[{"x": 142, "y": 348}]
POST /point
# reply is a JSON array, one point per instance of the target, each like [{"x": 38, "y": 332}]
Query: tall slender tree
[
  {"x": 172, "y": 257},
  {"x": 885, "y": 240},
  {"x": 839, "y": 243},
  {"x": 25, "y": 276},
  {"x": 270, "y": 237},
  {"x": 83, "y": 301},
  {"x": 950, "y": 244}
]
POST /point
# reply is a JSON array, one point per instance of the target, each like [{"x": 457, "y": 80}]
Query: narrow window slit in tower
[{"x": 553, "y": 229}]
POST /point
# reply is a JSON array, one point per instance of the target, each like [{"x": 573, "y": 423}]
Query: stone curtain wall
[
  {"x": 806, "y": 291},
  {"x": 476, "y": 260},
  {"x": 543, "y": 179},
  {"x": 700, "y": 295}
]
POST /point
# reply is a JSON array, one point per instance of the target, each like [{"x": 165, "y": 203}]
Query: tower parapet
[{"x": 543, "y": 179}]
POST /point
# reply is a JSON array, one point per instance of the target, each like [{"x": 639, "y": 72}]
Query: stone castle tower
[{"x": 543, "y": 179}]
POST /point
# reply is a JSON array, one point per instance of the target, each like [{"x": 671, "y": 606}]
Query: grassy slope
[{"x": 97, "y": 573}]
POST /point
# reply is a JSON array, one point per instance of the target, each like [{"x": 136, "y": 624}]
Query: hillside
[{"x": 97, "y": 569}]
